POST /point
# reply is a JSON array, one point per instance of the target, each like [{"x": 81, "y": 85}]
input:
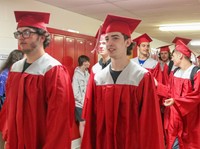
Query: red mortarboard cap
[
  {"x": 184, "y": 40},
  {"x": 142, "y": 38},
  {"x": 119, "y": 24},
  {"x": 181, "y": 47},
  {"x": 164, "y": 48},
  {"x": 32, "y": 19},
  {"x": 99, "y": 32}
]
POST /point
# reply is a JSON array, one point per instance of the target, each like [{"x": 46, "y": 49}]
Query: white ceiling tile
[{"x": 152, "y": 13}]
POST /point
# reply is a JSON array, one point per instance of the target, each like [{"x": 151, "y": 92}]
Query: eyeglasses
[{"x": 25, "y": 34}]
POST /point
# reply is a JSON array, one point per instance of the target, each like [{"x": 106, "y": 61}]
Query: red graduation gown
[
  {"x": 124, "y": 115},
  {"x": 182, "y": 119},
  {"x": 3, "y": 122},
  {"x": 165, "y": 75},
  {"x": 40, "y": 105}
]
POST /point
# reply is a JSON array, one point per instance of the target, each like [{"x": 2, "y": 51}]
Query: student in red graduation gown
[
  {"x": 122, "y": 106},
  {"x": 13, "y": 57},
  {"x": 102, "y": 51},
  {"x": 182, "y": 121},
  {"x": 166, "y": 64},
  {"x": 40, "y": 103},
  {"x": 144, "y": 59}
]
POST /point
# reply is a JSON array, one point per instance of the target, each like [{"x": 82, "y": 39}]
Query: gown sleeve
[
  {"x": 89, "y": 111},
  {"x": 164, "y": 90},
  {"x": 149, "y": 116},
  {"x": 157, "y": 73},
  {"x": 165, "y": 75},
  {"x": 88, "y": 93}
]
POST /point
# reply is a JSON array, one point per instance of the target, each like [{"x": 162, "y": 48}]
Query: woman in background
[
  {"x": 14, "y": 56},
  {"x": 79, "y": 84}
]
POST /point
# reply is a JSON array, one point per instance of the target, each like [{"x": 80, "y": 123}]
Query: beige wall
[{"x": 59, "y": 19}]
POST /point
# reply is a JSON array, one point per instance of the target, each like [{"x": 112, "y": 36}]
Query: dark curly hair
[
  {"x": 42, "y": 32},
  {"x": 169, "y": 54},
  {"x": 130, "y": 47}
]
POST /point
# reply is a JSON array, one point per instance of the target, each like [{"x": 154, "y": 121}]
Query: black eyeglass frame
[{"x": 25, "y": 34}]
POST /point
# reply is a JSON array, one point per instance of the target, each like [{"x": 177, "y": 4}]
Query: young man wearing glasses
[{"x": 40, "y": 100}]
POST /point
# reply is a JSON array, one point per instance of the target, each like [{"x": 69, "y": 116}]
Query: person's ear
[
  {"x": 128, "y": 43},
  {"x": 180, "y": 55}
]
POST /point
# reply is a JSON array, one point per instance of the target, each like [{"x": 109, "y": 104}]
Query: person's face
[
  {"x": 144, "y": 48},
  {"x": 102, "y": 47},
  {"x": 86, "y": 65},
  {"x": 164, "y": 55},
  {"x": 176, "y": 58},
  {"x": 28, "y": 39},
  {"x": 116, "y": 45}
]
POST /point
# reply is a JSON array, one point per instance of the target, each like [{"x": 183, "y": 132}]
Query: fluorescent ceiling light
[
  {"x": 73, "y": 31},
  {"x": 180, "y": 27},
  {"x": 195, "y": 42}
]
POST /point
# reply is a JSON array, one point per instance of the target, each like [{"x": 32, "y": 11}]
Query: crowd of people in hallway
[{"x": 118, "y": 103}]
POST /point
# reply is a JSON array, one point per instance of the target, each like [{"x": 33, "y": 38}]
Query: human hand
[
  {"x": 156, "y": 82},
  {"x": 168, "y": 102}
]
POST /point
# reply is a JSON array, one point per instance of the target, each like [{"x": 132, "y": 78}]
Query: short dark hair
[
  {"x": 82, "y": 59},
  {"x": 130, "y": 47}
]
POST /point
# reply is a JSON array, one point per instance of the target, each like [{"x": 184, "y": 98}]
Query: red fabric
[
  {"x": 3, "y": 122},
  {"x": 156, "y": 72},
  {"x": 142, "y": 38},
  {"x": 33, "y": 19},
  {"x": 87, "y": 95},
  {"x": 75, "y": 131},
  {"x": 181, "y": 47},
  {"x": 165, "y": 75},
  {"x": 124, "y": 25},
  {"x": 122, "y": 116},
  {"x": 164, "y": 48},
  {"x": 40, "y": 110},
  {"x": 182, "y": 119},
  {"x": 184, "y": 40}
]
